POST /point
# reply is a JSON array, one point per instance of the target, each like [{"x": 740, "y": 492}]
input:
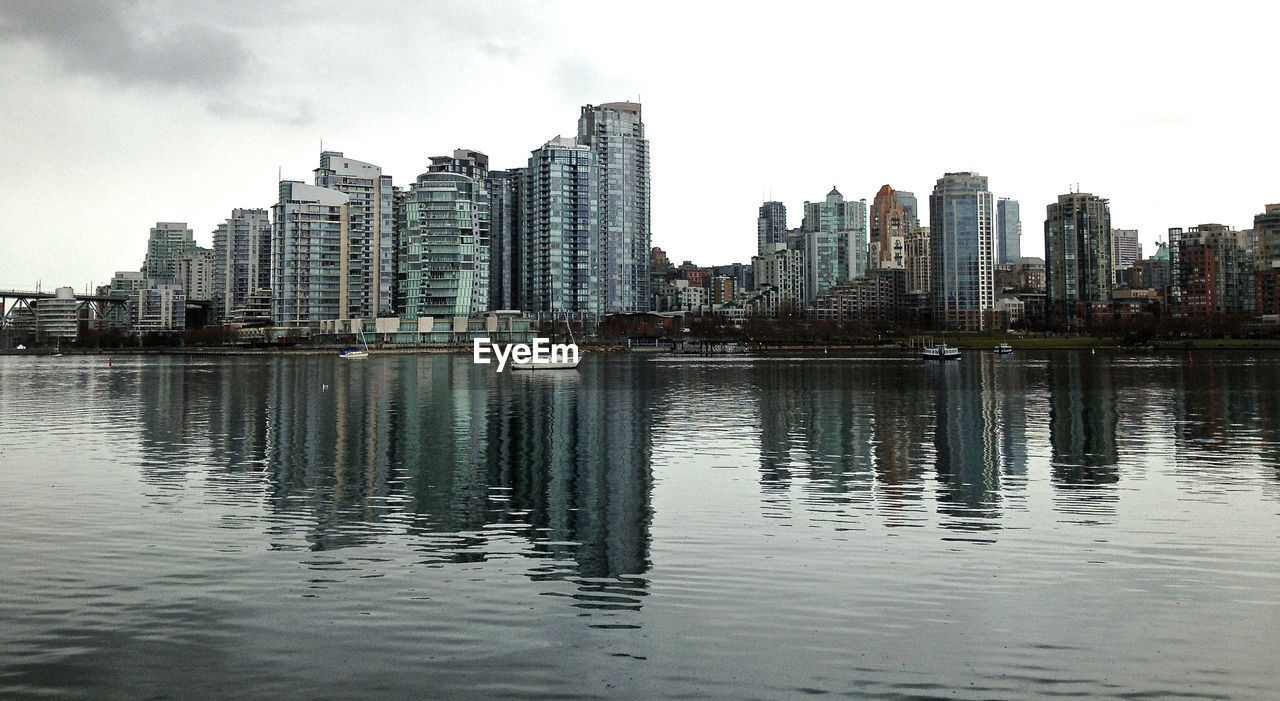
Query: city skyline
[{"x": 101, "y": 100}]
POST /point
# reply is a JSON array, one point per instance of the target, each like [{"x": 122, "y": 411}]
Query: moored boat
[
  {"x": 940, "y": 352},
  {"x": 1004, "y": 349}
]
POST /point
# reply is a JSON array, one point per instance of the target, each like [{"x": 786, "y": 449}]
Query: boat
[
  {"x": 567, "y": 364},
  {"x": 1004, "y": 349},
  {"x": 940, "y": 352},
  {"x": 356, "y": 352}
]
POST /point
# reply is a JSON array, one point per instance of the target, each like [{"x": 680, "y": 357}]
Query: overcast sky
[{"x": 116, "y": 115}]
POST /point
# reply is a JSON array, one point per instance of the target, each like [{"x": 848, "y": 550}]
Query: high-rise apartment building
[
  {"x": 309, "y": 255},
  {"x": 160, "y": 305},
  {"x": 782, "y": 270},
  {"x": 442, "y": 216},
  {"x": 615, "y": 134},
  {"x": 835, "y": 241},
  {"x": 1174, "y": 297},
  {"x": 961, "y": 251},
  {"x": 1266, "y": 228},
  {"x": 473, "y": 165},
  {"x": 1232, "y": 270},
  {"x": 916, "y": 247},
  {"x": 1077, "y": 246},
  {"x": 1008, "y": 231},
  {"x": 889, "y": 228},
  {"x": 165, "y": 247},
  {"x": 561, "y": 246},
  {"x": 241, "y": 259},
  {"x": 195, "y": 272},
  {"x": 368, "y": 253},
  {"x": 771, "y": 226},
  {"x": 1126, "y": 249},
  {"x": 505, "y": 201},
  {"x": 910, "y": 209}
]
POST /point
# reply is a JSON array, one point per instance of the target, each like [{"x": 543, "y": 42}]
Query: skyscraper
[
  {"x": 910, "y": 209},
  {"x": 961, "y": 256},
  {"x": 771, "y": 226},
  {"x": 1077, "y": 247},
  {"x": 561, "y": 246},
  {"x": 165, "y": 246},
  {"x": 918, "y": 259},
  {"x": 835, "y": 242},
  {"x": 1266, "y": 227},
  {"x": 195, "y": 272},
  {"x": 889, "y": 228},
  {"x": 615, "y": 134},
  {"x": 308, "y": 243},
  {"x": 241, "y": 259},
  {"x": 1126, "y": 249},
  {"x": 473, "y": 165},
  {"x": 368, "y": 254},
  {"x": 442, "y": 215},
  {"x": 1008, "y": 231},
  {"x": 1232, "y": 270},
  {"x": 505, "y": 202}
]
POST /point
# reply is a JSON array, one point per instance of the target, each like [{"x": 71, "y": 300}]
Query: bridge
[{"x": 100, "y": 306}]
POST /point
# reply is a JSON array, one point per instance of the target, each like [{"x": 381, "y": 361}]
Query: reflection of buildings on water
[
  {"x": 1082, "y": 433},
  {"x": 1083, "y": 420},
  {"x": 879, "y": 427},
  {"x": 195, "y": 417},
  {"x": 574, "y": 449},
  {"x": 328, "y": 439},
  {"x": 815, "y": 424},
  {"x": 565, "y": 452},
  {"x": 1224, "y": 415},
  {"x": 969, "y": 443}
]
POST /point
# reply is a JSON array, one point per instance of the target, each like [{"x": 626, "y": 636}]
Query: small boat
[
  {"x": 557, "y": 365},
  {"x": 568, "y": 363},
  {"x": 940, "y": 352},
  {"x": 1004, "y": 349},
  {"x": 353, "y": 352}
]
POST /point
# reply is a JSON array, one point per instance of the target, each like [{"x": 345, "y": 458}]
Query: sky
[{"x": 115, "y": 115}]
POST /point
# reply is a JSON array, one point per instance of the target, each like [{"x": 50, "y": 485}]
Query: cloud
[
  {"x": 108, "y": 40},
  {"x": 501, "y": 50},
  {"x": 578, "y": 79}
]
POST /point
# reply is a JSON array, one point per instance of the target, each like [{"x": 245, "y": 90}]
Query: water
[{"x": 1053, "y": 524}]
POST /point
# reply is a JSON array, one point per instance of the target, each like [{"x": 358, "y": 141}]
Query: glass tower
[
  {"x": 562, "y": 239},
  {"x": 242, "y": 258},
  {"x": 308, "y": 240},
  {"x": 771, "y": 226},
  {"x": 1008, "y": 231},
  {"x": 368, "y": 270},
  {"x": 961, "y": 228},
  {"x": 440, "y": 219},
  {"x": 1077, "y": 247},
  {"x": 615, "y": 134}
]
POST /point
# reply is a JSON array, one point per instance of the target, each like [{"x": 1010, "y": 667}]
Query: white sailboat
[
  {"x": 356, "y": 353},
  {"x": 554, "y": 362}
]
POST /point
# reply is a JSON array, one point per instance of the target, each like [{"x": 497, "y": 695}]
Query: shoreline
[{"x": 760, "y": 350}]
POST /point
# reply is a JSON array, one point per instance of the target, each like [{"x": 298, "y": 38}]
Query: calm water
[{"x": 1056, "y": 524}]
